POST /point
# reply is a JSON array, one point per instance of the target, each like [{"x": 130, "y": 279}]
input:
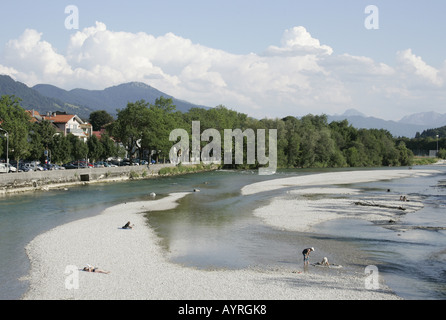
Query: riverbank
[
  {"x": 139, "y": 268},
  {"x": 22, "y": 182}
]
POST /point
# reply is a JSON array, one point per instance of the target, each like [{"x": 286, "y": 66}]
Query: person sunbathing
[{"x": 94, "y": 269}]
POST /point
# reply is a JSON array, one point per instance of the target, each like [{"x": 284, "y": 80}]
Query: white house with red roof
[{"x": 66, "y": 123}]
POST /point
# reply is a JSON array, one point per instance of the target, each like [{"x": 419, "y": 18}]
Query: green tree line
[
  {"x": 421, "y": 144},
  {"x": 306, "y": 142},
  {"x": 144, "y": 128}
]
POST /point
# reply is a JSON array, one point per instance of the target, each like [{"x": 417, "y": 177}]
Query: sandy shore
[{"x": 139, "y": 268}]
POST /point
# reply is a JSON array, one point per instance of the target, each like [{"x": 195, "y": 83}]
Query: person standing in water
[{"x": 306, "y": 254}]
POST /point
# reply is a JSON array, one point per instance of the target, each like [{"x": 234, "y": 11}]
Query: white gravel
[{"x": 333, "y": 178}]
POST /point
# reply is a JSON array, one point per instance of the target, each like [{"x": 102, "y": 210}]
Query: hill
[
  {"x": 112, "y": 98},
  {"x": 33, "y": 100}
]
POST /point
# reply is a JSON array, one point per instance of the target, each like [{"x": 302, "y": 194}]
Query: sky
[{"x": 263, "y": 58}]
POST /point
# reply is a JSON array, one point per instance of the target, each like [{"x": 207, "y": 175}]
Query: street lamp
[
  {"x": 437, "y": 145},
  {"x": 7, "y": 146}
]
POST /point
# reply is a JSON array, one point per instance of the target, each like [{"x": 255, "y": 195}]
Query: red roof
[
  {"x": 99, "y": 134},
  {"x": 59, "y": 118}
]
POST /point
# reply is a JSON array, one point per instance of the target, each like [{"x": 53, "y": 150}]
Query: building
[{"x": 66, "y": 123}]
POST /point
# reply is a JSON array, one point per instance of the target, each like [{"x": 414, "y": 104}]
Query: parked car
[
  {"x": 14, "y": 164},
  {"x": 50, "y": 166},
  {"x": 99, "y": 164},
  {"x": 82, "y": 164},
  {"x": 110, "y": 164},
  {"x": 125, "y": 162},
  {"x": 69, "y": 166},
  {"x": 140, "y": 162},
  {"x": 33, "y": 166},
  {"x": 8, "y": 167},
  {"x": 3, "y": 168},
  {"x": 103, "y": 164}
]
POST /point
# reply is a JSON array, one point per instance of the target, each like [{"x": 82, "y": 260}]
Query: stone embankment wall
[{"x": 41, "y": 180}]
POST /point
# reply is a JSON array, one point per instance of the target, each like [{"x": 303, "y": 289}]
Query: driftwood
[{"x": 371, "y": 204}]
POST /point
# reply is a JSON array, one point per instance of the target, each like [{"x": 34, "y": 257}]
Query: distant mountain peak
[
  {"x": 353, "y": 113},
  {"x": 135, "y": 84},
  {"x": 423, "y": 118}
]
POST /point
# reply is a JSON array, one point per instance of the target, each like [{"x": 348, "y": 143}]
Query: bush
[
  {"x": 441, "y": 154},
  {"x": 133, "y": 175}
]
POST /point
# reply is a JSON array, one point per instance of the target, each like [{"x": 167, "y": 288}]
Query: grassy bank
[
  {"x": 183, "y": 169},
  {"x": 419, "y": 161}
]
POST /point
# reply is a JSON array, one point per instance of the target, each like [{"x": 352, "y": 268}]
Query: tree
[
  {"x": 162, "y": 119},
  {"x": 79, "y": 149},
  {"x": 16, "y": 122},
  {"x": 290, "y": 143},
  {"x": 99, "y": 119},
  {"x": 61, "y": 149},
  {"x": 41, "y": 135},
  {"x": 109, "y": 148},
  {"x": 405, "y": 155},
  {"x": 131, "y": 126},
  {"x": 95, "y": 148}
]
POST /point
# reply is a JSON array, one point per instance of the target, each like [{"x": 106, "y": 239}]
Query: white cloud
[
  {"x": 299, "y": 77},
  {"x": 298, "y": 41},
  {"x": 35, "y": 59},
  {"x": 410, "y": 64}
]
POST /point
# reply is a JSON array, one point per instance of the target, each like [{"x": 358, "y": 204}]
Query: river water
[{"x": 215, "y": 228}]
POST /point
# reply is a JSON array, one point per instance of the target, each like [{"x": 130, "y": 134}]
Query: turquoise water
[{"x": 215, "y": 228}]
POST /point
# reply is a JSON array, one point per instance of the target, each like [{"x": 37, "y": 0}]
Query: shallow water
[
  {"x": 410, "y": 255},
  {"x": 214, "y": 228}
]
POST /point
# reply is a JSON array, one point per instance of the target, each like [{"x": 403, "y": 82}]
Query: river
[{"x": 216, "y": 228}]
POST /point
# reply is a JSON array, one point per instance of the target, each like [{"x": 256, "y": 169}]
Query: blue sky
[{"x": 409, "y": 44}]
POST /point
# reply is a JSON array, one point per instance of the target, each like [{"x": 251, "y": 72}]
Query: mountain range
[
  {"x": 112, "y": 98},
  {"x": 45, "y": 98},
  {"x": 408, "y": 126},
  {"x": 48, "y": 98}
]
